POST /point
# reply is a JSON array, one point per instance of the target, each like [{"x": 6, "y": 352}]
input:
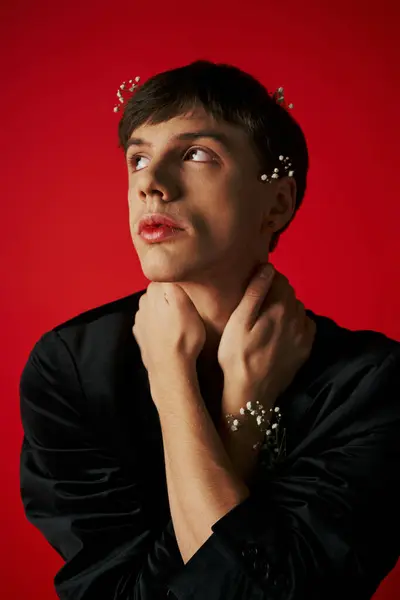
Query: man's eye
[
  {"x": 133, "y": 161},
  {"x": 196, "y": 151},
  {"x": 200, "y": 155}
]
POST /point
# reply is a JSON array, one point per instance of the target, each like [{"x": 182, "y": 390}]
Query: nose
[{"x": 158, "y": 181}]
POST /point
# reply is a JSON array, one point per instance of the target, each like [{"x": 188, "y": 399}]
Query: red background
[{"x": 65, "y": 238}]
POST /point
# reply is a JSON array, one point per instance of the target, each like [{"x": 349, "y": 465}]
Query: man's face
[{"x": 212, "y": 186}]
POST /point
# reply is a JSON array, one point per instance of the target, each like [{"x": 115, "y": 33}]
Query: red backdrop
[{"x": 65, "y": 238}]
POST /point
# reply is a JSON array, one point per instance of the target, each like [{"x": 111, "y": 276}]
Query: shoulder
[
  {"x": 116, "y": 316},
  {"x": 350, "y": 383},
  {"x": 102, "y": 329},
  {"x": 341, "y": 354},
  {"x": 338, "y": 343},
  {"x": 82, "y": 355}
]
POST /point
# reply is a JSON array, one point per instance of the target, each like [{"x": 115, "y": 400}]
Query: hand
[
  {"x": 267, "y": 339},
  {"x": 168, "y": 329}
]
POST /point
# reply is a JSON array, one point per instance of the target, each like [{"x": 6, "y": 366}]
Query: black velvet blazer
[{"x": 321, "y": 523}]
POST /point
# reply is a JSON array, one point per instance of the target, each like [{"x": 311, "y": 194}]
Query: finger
[
  {"x": 280, "y": 301},
  {"x": 281, "y": 291},
  {"x": 311, "y": 330},
  {"x": 256, "y": 291},
  {"x": 301, "y": 315},
  {"x": 306, "y": 326}
]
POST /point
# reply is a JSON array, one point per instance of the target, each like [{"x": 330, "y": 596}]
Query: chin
[{"x": 166, "y": 272}]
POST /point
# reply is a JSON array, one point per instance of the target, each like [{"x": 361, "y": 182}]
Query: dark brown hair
[{"x": 228, "y": 94}]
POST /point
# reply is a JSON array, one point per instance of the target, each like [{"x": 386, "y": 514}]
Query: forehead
[{"x": 197, "y": 120}]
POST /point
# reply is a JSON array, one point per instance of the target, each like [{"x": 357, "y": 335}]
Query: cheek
[
  {"x": 239, "y": 212},
  {"x": 227, "y": 225},
  {"x": 134, "y": 205},
  {"x": 131, "y": 194}
]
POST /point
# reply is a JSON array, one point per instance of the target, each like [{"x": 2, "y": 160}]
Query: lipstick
[
  {"x": 159, "y": 233},
  {"x": 153, "y": 219}
]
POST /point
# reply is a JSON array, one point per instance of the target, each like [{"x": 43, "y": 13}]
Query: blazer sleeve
[
  {"x": 76, "y": 493},
  {"x": 323, "y": 525}
]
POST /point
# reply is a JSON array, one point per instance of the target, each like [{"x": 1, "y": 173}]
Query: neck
[{"x": 215, "y": 301}]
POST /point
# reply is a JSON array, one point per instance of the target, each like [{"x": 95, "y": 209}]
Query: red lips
[{"x": 154, "y": 219}]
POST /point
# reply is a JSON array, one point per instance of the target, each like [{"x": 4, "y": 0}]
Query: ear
[{"x": 282, "y": 204}]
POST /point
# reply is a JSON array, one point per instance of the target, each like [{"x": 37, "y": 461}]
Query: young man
[{"x": 140, "y": 463}]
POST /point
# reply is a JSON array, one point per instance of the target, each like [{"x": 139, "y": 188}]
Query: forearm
[
  {"x": 182, "y": 529},
  {"x": 239, "y": 447},
  {"x": 200, "y": 476}
]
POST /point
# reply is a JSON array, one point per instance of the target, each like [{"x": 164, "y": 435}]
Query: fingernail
[{"x": 266, "y": 271}]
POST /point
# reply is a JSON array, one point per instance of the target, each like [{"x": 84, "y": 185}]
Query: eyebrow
[{"x": 189, "y": 135}]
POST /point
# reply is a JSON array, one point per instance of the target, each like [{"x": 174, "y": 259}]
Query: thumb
[{"x": 254, "y": 296}]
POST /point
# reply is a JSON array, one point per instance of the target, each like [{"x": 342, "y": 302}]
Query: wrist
[
  {"x": 245, "y": 437},
  {"x": 239, "y": 446},
  {"x": 176, "y": 370},
  {"x": 236, "y": 398},
  {"x": 243, "y": 444},
  {"x": 179, "y": 380}
]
